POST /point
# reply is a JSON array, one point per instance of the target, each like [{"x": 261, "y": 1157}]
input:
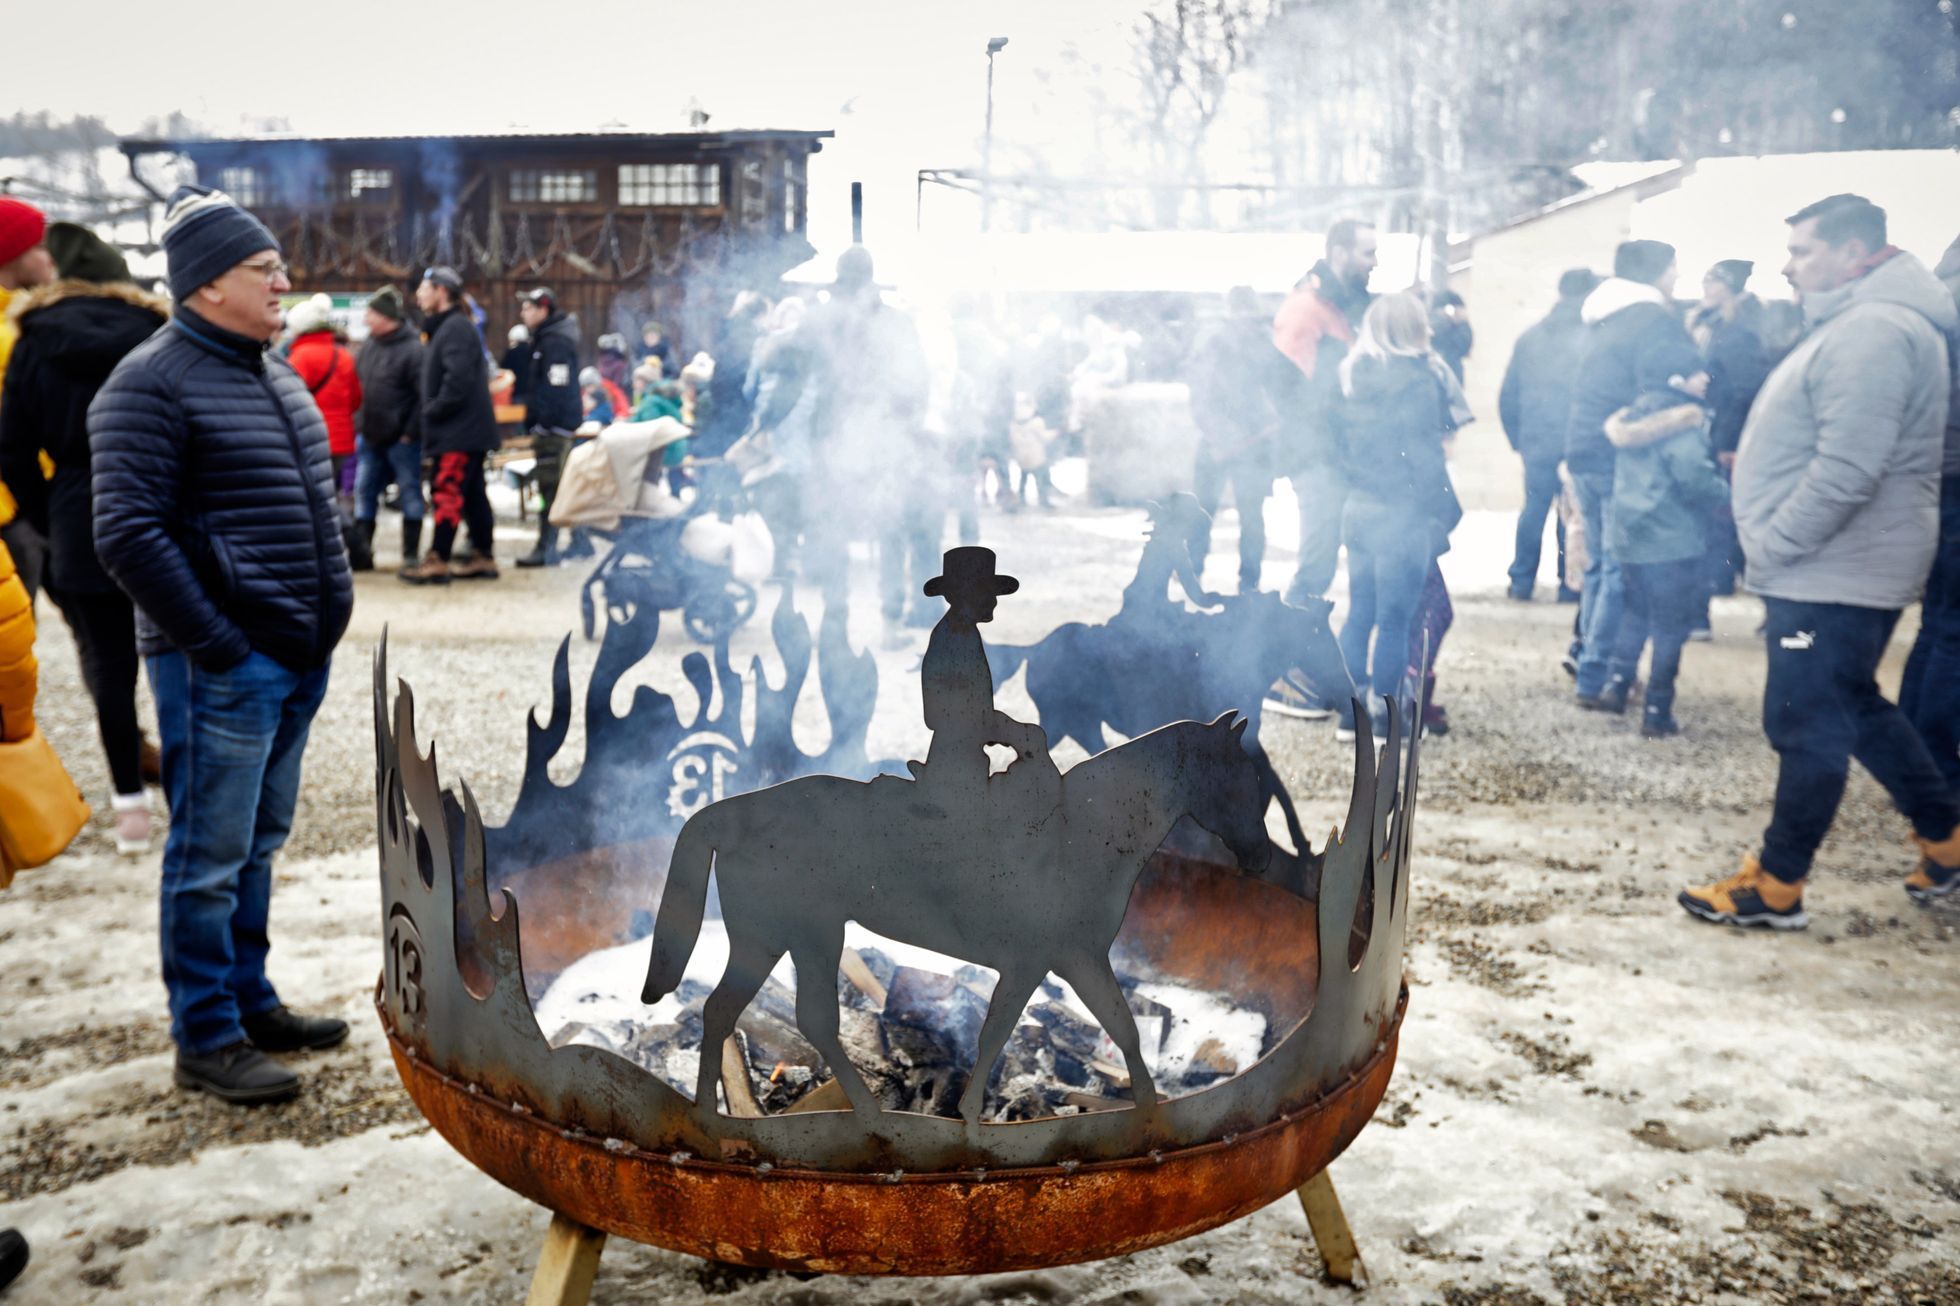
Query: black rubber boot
[
  {"x": 411, "y": 540},
  {"x": 362, "y": 558},
  {"x": 13, "y": 1255},
  {"x": 546, "y": 552}
]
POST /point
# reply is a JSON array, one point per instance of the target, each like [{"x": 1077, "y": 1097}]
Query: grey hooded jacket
[
  {"x": 1948, "y": 272},
  {"x": 1837, "y": 479}
]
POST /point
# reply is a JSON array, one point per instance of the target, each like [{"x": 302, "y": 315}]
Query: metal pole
[
  {"x": 857, "y": 213},
  {"x": 987, "y": 150}
]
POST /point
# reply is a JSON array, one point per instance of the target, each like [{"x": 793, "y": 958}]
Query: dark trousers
[
  {"x": 551, "y": 449},
  {"x": 1821, "y": 708},
  {"x": 1251, "y": 480},
  {"x": 908, "y": 557},
  {"x": 1930, "y": 694},
  {"x": 104, "y": 626},
  {"x": 1540, "y": 493},
  {"x": 1435, "y": 614},
  {"x": 1322, "y": 493},
  {"x": 460, "y": 496},
  {"x": 30, "y": 550},
  {"x": 1388, "y": 560},
  {"x": 1662, "y": 600}
]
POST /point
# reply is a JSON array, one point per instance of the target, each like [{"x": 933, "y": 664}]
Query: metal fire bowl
[
  {"x": 474, "y": 917},
  {"x": 1189, "y": 921}
]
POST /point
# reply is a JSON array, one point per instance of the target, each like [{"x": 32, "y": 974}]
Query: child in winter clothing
[{"x": 1665, "y": 490}]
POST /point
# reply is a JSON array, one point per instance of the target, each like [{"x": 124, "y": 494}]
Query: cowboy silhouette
[
  {"x": 958, "y": 687},
  {"x": 1167, "y": 557}
]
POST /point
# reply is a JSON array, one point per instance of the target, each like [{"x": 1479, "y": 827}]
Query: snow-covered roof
[
  {"x": 527, "y": 134},
  {"x": 1192, "y": 262},
  {"x": 1735, "y": 207},
  {"x": 1600, "y": 175}
]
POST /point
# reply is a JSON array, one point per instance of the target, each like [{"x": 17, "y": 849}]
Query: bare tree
[{"x": 1186, "y": 54}]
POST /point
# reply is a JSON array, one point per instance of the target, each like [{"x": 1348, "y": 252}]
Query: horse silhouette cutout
[
  {"x": 1157, "y": 661},
  {"x": 1026, "y": 872}
]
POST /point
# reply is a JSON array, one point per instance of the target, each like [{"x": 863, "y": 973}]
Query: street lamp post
[{"x": 994, "y": 46}]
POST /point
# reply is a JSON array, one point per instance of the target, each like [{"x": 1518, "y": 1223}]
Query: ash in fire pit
[{"x": 910, "y": 1020}]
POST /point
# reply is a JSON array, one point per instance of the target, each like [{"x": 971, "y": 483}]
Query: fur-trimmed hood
[
  {"x": 1630, "y": 431},
  {"x": 30, "y": 301},
  {"x": 1616, "y": 293}
]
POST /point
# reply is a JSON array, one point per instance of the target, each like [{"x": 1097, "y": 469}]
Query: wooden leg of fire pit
[
  {"x": 1331, "y": 1235},
  {"x": 567, "y": 1264}
]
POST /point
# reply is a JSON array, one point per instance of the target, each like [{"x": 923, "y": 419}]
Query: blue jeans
[
  {"x": 400, "y": 462},
  {"x": 1388, "y": 560},
  {"x": 1601, "y": 596},
  {"x": 231, "y": 743},
  {"x": 1540, "y": 493},
  {"x": 1321, "y": 491},
  {"x": 1662, "y": 601},
  {"x": 1930, "y": 692}
]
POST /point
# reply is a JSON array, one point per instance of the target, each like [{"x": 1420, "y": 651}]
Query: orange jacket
[
  {"x": 1304, "y": 320},
  {"x": 328, "y": 370},
  {"x": 17, "y": 666}
]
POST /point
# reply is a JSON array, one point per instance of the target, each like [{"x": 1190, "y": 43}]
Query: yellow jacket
[
  {"x": 8, "y": 334},
  {"x": 17, "y": 666}
]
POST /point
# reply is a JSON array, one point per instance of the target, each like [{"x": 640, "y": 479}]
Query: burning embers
[{"x": 910, "y": 1027}]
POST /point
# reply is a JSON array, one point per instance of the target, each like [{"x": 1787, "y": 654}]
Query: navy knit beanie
[{"x": 205, "y": 235}]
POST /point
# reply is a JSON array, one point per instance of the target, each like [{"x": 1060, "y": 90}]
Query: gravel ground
[{"x": 1597, "y": 1099}]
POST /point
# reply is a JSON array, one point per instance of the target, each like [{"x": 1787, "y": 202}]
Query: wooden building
[{"x": 626, "y": 227}]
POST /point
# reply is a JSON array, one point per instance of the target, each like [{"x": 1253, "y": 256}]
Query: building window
[
  {"x": 670, "y": 185},
  {"x": 792, "y": 199},
  {"x": 370, "y": 183},
  {"x": 244, "y": 185},
  {"x": 554, "y": 186}
]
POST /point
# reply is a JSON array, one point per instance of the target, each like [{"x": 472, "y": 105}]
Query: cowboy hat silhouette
[{"x": 969, "y": 569}]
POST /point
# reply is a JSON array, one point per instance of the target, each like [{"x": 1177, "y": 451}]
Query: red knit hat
[{"x": 21, "y": 228}]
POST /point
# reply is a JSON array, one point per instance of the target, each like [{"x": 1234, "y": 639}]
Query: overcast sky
[{"x": 902, "y": 82}]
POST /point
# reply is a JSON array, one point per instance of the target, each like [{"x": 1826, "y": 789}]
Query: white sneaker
[{"x": 133, "y": 823}]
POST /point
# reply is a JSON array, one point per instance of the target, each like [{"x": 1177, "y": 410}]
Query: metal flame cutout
[{"x": 454, "y": 995}]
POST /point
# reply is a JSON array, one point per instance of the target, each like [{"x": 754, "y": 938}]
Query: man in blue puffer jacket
[{"x": 214, "y": 510}]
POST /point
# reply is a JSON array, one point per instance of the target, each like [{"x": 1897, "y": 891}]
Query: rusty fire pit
[{"x": 608, "y": 1145}]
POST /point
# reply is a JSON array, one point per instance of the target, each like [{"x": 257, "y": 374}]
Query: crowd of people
[
  {"x": 1822, "y": 465},
  {"x": 193, "y": 495},
  {"x": 1819, "y": 460}
]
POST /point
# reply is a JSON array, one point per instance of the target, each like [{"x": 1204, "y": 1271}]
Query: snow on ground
[{"x": 1596, "y": 1098}]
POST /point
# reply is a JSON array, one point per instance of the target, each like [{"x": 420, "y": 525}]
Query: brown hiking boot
[
  {"x": 481, "y": 566},
  {"x": 1938, "y": 872},
  {"x": 1751, "y": 898},
  {"x": 432, "y": 570}
]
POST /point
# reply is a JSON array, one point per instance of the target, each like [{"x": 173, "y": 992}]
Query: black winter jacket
[
  {"x": 390, "y": 369},
  {"x": 1391, "y": 425},
  {"x": 457, "y": 416},
  {"x": 1633, "y": 345},
  {"x": 554, "y": 398},
  {"x": 1737, "y": 367},
  {"x": 72, "y": 335},
  {"x": 1535, "y": 402},
  {"x": 729, "y": 410},
  {"x": 1237, "y": 383},
  {"x": 214, "y": 506}
]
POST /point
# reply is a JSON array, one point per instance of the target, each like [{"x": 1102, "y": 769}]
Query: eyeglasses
[{"x": 271, "y": 270}]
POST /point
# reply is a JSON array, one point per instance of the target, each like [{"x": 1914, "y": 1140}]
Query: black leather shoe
[
  {"x": 281, "y": 1030},
  {"x": 538, "y": 558},
  {"x": 238, "y": 1073}
]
